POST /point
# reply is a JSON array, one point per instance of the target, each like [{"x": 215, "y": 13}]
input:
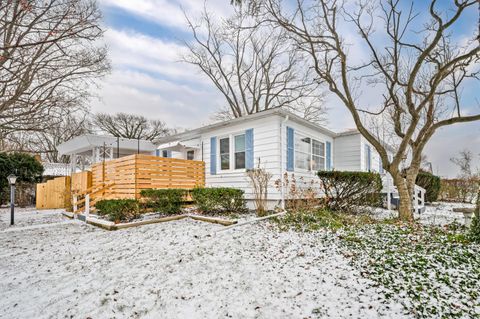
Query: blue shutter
[
  {"x": 249, "y": 158},
  {"x": 157, "y": 152},
  {"x": 329, "y": 156},
  {"x": 213, "y": 155},
  {"x": 290, "y": 148},
  {"x": 368, "y": 159}
]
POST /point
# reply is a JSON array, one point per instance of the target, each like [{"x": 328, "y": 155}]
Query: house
[{"x": 276, "y": 140}]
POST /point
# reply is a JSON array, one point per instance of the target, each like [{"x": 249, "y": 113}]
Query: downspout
[{"x": 282, "y": 188}]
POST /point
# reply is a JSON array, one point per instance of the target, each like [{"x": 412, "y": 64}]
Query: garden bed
[{"x": 109, "y": 225}]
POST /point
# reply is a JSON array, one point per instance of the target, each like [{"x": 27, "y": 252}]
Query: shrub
[
  {"x": 459, "y": 189},
  {"x": 346, "y": 191},
  {"x": 28, "y": 170},
  {"x": 118, "y": 209},
  {"x": 431, "y": 183},
  {"x": 300, "y": 195},
  {"x": 167, "y": 201},
  {"x": 221, "y": 199},
  {"x": 475, "y": 226}
]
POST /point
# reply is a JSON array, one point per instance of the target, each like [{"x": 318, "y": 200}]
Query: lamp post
[{"x": 11, "y": 180}]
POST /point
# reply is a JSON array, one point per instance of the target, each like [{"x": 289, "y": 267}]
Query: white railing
[{"x": 418, "y": 198}]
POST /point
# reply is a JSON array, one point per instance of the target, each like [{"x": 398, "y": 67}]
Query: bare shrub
[
  {"x": 259, "y": 179},
  {"x": 300, "y": 195}
]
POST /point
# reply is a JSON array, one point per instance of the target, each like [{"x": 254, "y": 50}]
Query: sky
[{"x": 145, "y": 40}]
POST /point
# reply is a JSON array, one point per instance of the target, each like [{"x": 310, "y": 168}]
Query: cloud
[{"x": 169, "y": 12}]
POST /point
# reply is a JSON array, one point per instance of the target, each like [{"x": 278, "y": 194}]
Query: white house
[{"x": 278, "y": 141}]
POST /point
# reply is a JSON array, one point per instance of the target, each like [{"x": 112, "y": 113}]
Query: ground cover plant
[{"x": 435, "y": 271}]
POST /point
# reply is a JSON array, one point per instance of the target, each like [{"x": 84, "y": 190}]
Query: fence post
[
  {"x": 75, "y": 206},
  {"x": 415, "y": 199},
  {"x": 87, "y": 205},
  {"x": 389, "y": 195}
]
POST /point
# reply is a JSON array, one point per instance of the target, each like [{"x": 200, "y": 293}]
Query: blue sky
[{"x": 145, "y": 43}]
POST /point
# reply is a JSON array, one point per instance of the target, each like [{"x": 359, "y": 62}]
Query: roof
[
  {"x": 55, "y": 169},
  {"x": 87, "y": 142},
  {"x": 275, "y": 111}
]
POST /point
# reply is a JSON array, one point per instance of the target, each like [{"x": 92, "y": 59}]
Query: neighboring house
[
  {"x": 278, "y": 141},
  {"x": 86, "y": 150}
]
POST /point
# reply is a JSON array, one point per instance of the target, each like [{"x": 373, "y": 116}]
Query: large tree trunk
[{"x": 405, "y": 208}]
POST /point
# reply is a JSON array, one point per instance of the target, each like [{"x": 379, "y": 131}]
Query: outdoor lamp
[{"x": 12, "y": 179}]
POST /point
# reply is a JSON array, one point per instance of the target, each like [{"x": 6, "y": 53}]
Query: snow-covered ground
[
  {"x": 51, "y": 267},
  {"x": 439, "y": 213}
]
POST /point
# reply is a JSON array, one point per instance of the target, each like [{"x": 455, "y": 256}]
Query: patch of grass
[{"x": 434, "y": 271}]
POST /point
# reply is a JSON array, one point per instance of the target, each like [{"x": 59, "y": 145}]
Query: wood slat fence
[
  {"x": 130, "y": 174},
  {"x": 120, "y": 178},
  {"x": 54, "y": 193}
]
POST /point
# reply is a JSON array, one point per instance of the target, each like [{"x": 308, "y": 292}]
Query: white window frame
[
  {"x": 231, "y": 155},
  {"x": 219, "y": 161},
  {"x": 310, "y": 169}
]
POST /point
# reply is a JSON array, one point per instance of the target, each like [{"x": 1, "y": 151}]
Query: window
[
  {"x": 309, "y": 153},
  {"x": 318, "y": 155},
  {"x": 225, "y": 153},
  {"x": 164, "y": 153},
  {"x": 302, "y": 152},
  {"x": 239, "y": 151},
  {"x": 190, "y": 155}
]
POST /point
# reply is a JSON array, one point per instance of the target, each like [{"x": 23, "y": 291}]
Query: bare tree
[
  {"x": 45, "y": 142},
  {"x": 49, "y": 58},
  {"x": 417, "y": 68},
  {"x": 130, "y": 126},
  {"x": 464, "y": 163},
  {"x": 254, "y": 65}
]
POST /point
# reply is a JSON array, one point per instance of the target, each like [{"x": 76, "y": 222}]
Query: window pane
[
  {"x": 302, "y": 160},
  {"x": 302, "y": 144},
  {"x": 318, "y": 163},
  {"x": 240, "y": 143},
  {"x": 225, "y": 161},
  {"x": 224, "y": 146},
  {"x": 240, "y": 160},
  {"x": 318, "y": 148},
  {"x": 190, "y": 155}
]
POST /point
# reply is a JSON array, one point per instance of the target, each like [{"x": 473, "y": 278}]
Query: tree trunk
[{"x": 405, "y": 208}]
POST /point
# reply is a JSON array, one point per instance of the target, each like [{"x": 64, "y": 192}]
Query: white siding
[
  {"x": 375, "y": 157},
  {"x": 266, "y": 146},
  {"x": 348, "y": 153}
]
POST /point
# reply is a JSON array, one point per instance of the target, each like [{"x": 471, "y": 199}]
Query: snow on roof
[
  {"x": 87, "y": 142},
  {"x": 55, "y": 169},
  {"x": 275, "y": 111}
]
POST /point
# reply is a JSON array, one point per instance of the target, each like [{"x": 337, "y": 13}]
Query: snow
[
  {"x": 438, "y": 213},
  {"x": 52, "y": 267}
]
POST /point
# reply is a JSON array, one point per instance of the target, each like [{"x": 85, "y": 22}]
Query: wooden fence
[
  {"x": 54, "y": 193},
  {"x": 130, "y": 174}
]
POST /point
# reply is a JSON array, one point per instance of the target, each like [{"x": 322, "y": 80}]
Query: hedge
[
  {"x": 118, "y": 210},
  {"x": 221, "y": 199},
  {"x": 168, "y": 201},
  {"x": 346, "y": 191},
  {"x": 431, "y": 183}
]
